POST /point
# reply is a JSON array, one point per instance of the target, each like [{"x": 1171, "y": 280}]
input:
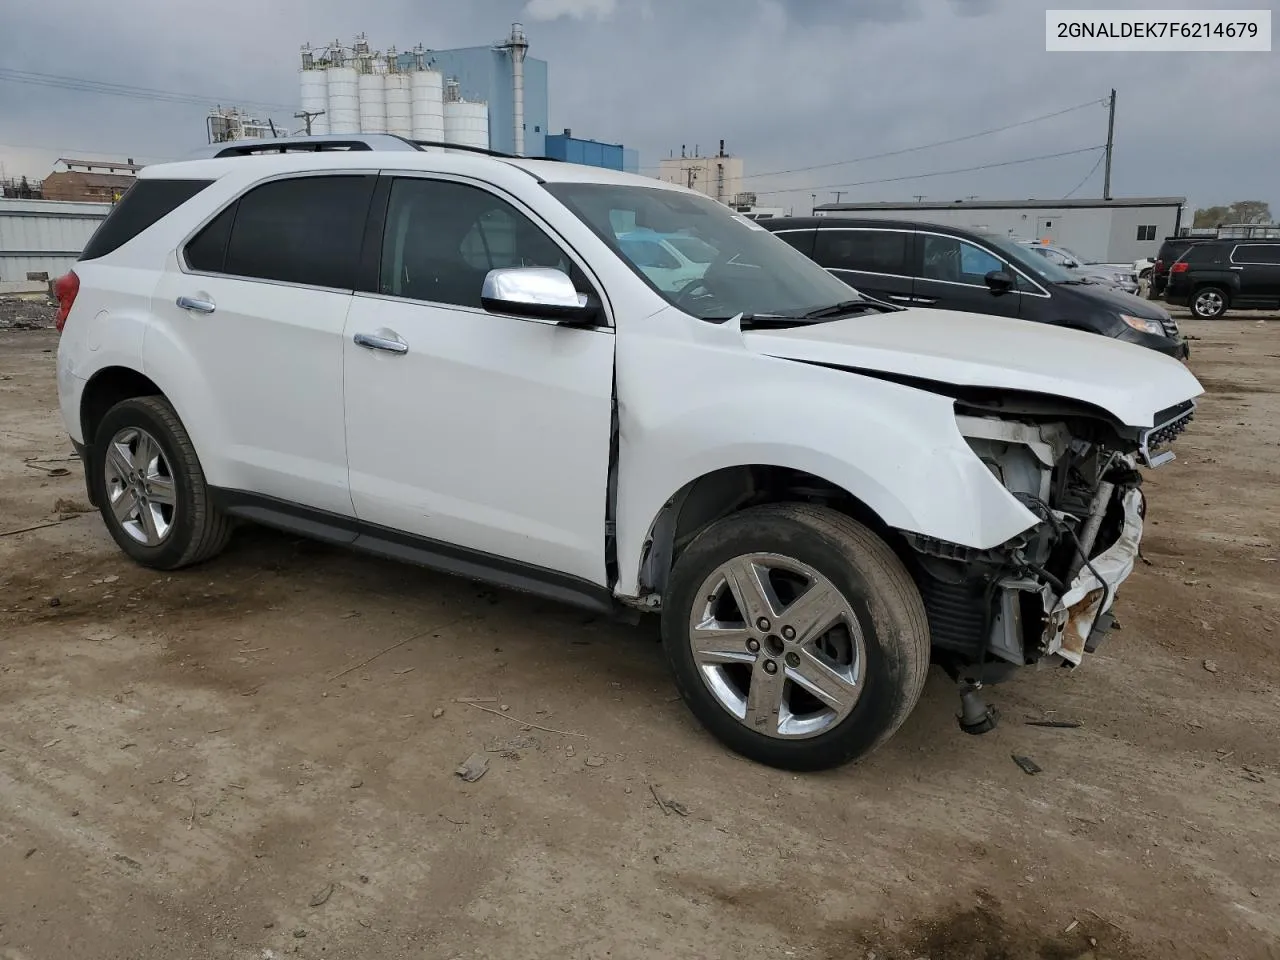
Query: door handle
[
  {"x": 924, "y": 300},
  {"x": 1237, "y": 268},
  {"x": 196, "y": 305},
  {"x": 391, "y": 344},
  {"x": 899, "y": 297}
]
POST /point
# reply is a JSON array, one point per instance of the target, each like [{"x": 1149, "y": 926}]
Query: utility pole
[
  {"x": 1111, "y": 134},
  {"x": 813, "y": 204},
  {"x": 838, "y": 194},
  {"x": 919, "y": 197},
  {"x": 306, "y": 116}
]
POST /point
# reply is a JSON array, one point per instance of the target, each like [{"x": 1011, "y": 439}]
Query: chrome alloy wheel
[
  {"x": 139, "y": 486},
  {"x": 778, "y": 646},
  {"x": 1209, "y": 303}
]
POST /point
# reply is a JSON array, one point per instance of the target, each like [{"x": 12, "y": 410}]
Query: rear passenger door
[
  {"x": 1258, "y": 267},
  {"x": 875, "y": 262},
  {"x": 254, "y": 305},
  {"x": 952, "y": 276}
]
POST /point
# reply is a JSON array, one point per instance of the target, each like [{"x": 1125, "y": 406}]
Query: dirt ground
[{"x": 218, "y": 763}]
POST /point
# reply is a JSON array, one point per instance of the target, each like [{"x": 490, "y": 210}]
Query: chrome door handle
[
  {"x": 1237, "y": 268},
  {"x": 195, "y": 304},
  {"x": 924, "y": 300},
  {"x": 895, "y": 296},
  {"x": 372, "y": 341}
]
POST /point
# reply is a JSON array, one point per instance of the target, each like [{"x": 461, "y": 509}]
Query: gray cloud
[{"x": 786, "y": 84}]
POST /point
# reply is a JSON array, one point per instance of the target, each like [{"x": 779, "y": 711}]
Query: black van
[{"x": 929, "y": 265}]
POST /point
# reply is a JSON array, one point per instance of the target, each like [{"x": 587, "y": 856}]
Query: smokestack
[{"x": 518, "y": 46}]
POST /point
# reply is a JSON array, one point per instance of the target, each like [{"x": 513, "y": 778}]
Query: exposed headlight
[{"x": 1143, "y": 325}]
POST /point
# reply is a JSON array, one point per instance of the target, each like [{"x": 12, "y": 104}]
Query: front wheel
[
  {"x": 796, "y": 636},
  {"x": 1209, "y": 303}
]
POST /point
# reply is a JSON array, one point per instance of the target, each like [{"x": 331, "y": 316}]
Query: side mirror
[
  {"x": 999, "y": 282},
  {"x": 1071, "y": 265},
  {"x": 544, "y": 293}
]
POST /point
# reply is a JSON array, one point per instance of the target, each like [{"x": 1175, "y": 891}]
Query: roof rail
[{"x": 338, "y": 142}]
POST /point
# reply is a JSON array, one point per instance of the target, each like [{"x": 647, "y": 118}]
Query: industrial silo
[
  {"x": 466, "y": 123},
  {"x": 315, "y": 92},
  {"x": 373, "y": 102},
  {"x": 426, "y": 91},
  {"x": 344, "y": 96}
]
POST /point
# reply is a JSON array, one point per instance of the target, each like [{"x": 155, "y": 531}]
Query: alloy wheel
[
  {"x": 139, "y": 486},
  {"x": 778, "y": 646},
  {"x": 1209, "y": 303}
]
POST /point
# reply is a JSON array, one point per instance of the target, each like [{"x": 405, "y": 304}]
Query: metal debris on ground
[
  {"x": 322, "y": 896},
  {"x": 473, "y": 768},
  {"x": 1057, "y": 724},
  {"x": 1027, "y": 765}
]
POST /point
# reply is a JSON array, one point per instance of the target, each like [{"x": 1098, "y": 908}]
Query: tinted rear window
[
  {"x": 1205, "y": 253},
  {"x": 865, "y": 251},
  {"x": 1257, "y": 253},
  {"x": 142, "y": 205},
  {"x": 303, "y": 230}
]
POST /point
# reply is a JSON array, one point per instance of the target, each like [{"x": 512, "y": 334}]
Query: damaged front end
[{"x": 1046, "y": 595}]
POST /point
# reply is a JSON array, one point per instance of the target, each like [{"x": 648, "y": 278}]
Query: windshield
[
  {"x": 735, "y": 267},
  {"x": 1041, "y": 267}
]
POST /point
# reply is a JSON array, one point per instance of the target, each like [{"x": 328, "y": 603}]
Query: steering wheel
[{"x": 687, "y": 291}]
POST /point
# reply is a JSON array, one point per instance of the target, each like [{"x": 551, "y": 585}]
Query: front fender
[{"x": 895, "y": 448}]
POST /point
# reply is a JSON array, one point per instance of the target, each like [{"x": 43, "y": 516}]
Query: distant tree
[{"x": 1242, "y": 211}]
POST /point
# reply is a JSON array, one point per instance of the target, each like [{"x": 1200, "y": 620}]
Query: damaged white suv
[{"x": 452, "y": 359}]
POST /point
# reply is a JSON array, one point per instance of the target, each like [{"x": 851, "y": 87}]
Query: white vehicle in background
[
  {"x": 1120, "y": 276},
  {"x": 454, "y": 359}
]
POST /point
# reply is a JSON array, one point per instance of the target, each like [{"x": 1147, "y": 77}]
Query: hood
[
  {"x": 1131, "y": 383},
  {"x": 1111, "y": 298}
]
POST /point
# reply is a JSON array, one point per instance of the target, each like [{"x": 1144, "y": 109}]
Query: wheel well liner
[
  {"x": 729, "y": 490},
  {"x": 105, "y": 389}
]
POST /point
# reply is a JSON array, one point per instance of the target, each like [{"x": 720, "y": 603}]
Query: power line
[
  {"x": 129, "y": 91},
  {"x": 928, "y": 146},
  {"x": 937, "y": 173},
  {"x": 1094, "y": 169}
]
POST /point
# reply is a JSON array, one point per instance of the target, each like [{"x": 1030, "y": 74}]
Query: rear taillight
[
  {"x": 65, "y": 289},
  {"x": 1158, "y": 266},
  {"x": 1180, "y": 267}
]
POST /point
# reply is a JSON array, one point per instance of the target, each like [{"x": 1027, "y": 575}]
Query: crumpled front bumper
[{"x": 1088, "y": 600}]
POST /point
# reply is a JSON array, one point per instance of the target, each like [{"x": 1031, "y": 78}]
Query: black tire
[
  {"x": 885, "y": 602},
  {"x": 198, "y": 531},
  {"x": 1209, "y": 302}
]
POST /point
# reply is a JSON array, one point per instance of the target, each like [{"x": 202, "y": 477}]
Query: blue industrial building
[{"x": 614, "y": 156}]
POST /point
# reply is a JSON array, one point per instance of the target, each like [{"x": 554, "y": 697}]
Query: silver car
[{"x": 1120, "y": 276}]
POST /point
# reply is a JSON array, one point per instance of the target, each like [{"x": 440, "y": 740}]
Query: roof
[
  {"x": 110, "y": 164},
  {"x": 1006, "y": 204},
  {"x": 405, "y": 158}
]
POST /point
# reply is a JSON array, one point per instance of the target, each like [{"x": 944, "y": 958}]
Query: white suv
[{"x": 447, "y": 358}]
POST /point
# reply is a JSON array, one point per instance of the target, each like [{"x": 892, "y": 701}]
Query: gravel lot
[{"x": 224, "y": 762}]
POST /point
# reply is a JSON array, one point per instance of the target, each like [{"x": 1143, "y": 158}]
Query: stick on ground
[
  {"x": 38, "y": 526},
  {"x": 523, "y": 723}
]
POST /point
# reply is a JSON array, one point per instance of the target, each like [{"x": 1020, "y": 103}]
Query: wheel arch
[
  {"x": 105, "y": 389},
  {"x": 728, "y": 490}
]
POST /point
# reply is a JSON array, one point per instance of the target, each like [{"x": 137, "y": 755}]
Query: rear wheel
[
  {"x": 796, "y": 635},
  {"x": 151, "y": 489},
  {"x": 1209, "y": 303}
]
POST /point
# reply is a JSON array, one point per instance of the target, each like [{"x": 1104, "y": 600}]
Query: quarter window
[
  {"x": 1256, "y": 253},
  {"x": 956, "y": 261},
  {"x": 864, "y": 251},
  {"x": 302, "y": 230},
  {"x": 142, "y": 205},
  {"x": 442, "y": 239}
]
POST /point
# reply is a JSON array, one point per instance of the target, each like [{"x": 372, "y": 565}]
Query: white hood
[{"x": 1131, "y": 383}]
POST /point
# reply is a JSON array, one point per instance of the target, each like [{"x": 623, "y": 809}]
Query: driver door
[{"x": 481, "y": 437}]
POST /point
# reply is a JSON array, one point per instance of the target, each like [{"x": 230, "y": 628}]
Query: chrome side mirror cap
[{"x": 543, "y": 293}]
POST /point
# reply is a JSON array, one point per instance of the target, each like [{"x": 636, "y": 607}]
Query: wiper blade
[{"x": 840, "y": 309}]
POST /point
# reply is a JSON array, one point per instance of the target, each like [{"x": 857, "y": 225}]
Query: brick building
[{"x": 97, "y": 181}]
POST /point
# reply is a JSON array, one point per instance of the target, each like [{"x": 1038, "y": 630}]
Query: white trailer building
[
  {"x": 43, "y": 236},
  {"x": 1119, "y": 230}
]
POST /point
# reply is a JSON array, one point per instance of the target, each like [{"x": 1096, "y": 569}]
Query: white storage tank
[
  {"x": 399, "y": 105},
  {"x": 344, "y": 100},
  {"x": 466, "y": 123},
  {"x": 315, "y": 98},
  {"x": 426, "y": 90},
  {"x": 373, "y": 103}
]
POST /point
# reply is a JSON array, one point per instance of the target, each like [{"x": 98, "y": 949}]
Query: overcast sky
[{"x": 786, "y": 84}]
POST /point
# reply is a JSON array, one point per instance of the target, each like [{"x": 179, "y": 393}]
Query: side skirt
[{"x": 424, "y": 552}]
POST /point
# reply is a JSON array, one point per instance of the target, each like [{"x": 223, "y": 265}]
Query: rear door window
[
  {"x": 143, "y": 204},
  {"x": 865, "y": 251},
  {"x": 305, "y": 230},
  {"x": 1257, "y": 253}
]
